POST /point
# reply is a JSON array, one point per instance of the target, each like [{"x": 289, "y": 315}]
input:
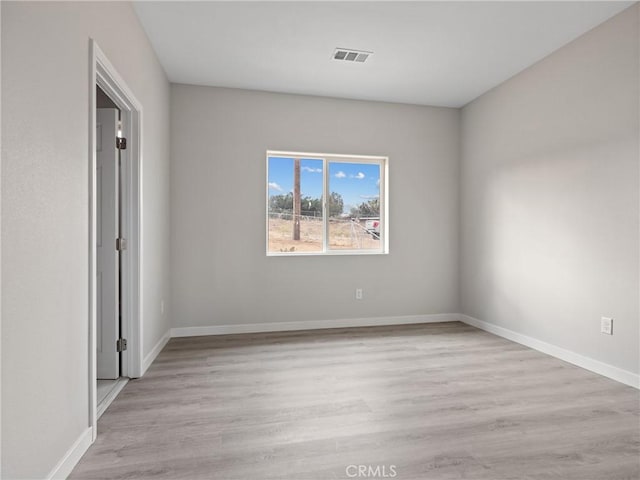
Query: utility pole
[{"x": 297, "y": 210}]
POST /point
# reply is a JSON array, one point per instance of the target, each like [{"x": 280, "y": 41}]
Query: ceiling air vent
[{"x": 349, "y": 55}]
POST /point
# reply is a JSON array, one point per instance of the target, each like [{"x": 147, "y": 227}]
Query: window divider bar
[{"x": 325, "y": 205}]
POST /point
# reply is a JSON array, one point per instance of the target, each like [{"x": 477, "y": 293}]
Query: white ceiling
[{"x": 426, "y": 53}]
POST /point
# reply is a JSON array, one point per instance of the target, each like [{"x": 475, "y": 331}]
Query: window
[{"x": 301, "y": 222}]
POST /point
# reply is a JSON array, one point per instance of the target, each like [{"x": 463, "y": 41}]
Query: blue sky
[{"x": 356, "y": 182}]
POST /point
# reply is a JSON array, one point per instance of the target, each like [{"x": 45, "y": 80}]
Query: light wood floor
[{"x": 439, "y": 401}]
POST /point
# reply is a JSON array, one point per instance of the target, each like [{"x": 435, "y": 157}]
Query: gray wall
[
  {"x": 45, "y": 173},
  {"x": 220, "y": 273},
  {"x": 550, "y": 207}
]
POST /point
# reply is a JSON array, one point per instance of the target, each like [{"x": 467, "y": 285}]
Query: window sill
[{"x": 325, "y": 254}]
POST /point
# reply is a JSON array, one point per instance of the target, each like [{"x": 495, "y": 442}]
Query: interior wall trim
[
  {"x": 615, "y": 373},
  {"x": 155, "y": 351},
  {"x": 311, "y": 325},
  {"x": 588, "y": 363},
  {"x": 67, "y": 463}
]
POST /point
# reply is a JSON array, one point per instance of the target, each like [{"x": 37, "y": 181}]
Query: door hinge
[
  {"x": 121, "y": 143},
  {"x": 121, "y": 244},
  {"x": 121, "y": 345}
]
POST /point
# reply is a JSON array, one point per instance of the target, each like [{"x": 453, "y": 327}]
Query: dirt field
[{"x": 342, "y": 236}]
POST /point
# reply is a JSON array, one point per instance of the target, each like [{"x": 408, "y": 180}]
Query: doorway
[
  {"x": 115, "y": 185},
  {"x": 110, "y": 344}
]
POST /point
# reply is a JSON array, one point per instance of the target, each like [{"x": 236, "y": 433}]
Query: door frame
[{"x": 103, "y": 74}]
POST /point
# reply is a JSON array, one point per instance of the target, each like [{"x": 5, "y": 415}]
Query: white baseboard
[
  {"x": 64, "y": 467},
  {"x": 596, "y": 366},
  {"x": 311, "y": 325},
  {"x": 155, "y": 351}
]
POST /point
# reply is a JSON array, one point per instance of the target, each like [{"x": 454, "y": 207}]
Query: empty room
[{"x": 315, "y": 240}]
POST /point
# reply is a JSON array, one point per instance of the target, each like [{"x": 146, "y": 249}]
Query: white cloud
[
  {"x": 369, "y": 197},
  {"x": 359, "y": 176},
  {"x": 275, "y": 186},
  {"x": 378, "y": 183},
  {"x": 311, "y": 170},
  {"x": 340, "y": 174}
]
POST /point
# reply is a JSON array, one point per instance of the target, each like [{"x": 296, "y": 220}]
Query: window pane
[
  {"x": 295, "y": 228},
  {"x": 354, "y": 206}
]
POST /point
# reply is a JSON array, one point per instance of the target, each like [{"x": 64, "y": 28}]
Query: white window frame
[{"x": 327, "y": 158}]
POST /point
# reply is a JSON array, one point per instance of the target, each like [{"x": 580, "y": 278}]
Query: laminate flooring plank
[{"x": 435, "y": 401}]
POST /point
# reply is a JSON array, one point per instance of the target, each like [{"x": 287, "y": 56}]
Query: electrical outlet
[
  {"x": 358, "y": 294},
  {"x": 606, "y": 325}
]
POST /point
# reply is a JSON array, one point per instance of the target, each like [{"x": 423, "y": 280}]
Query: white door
[{"x": 108, "y": 269}]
